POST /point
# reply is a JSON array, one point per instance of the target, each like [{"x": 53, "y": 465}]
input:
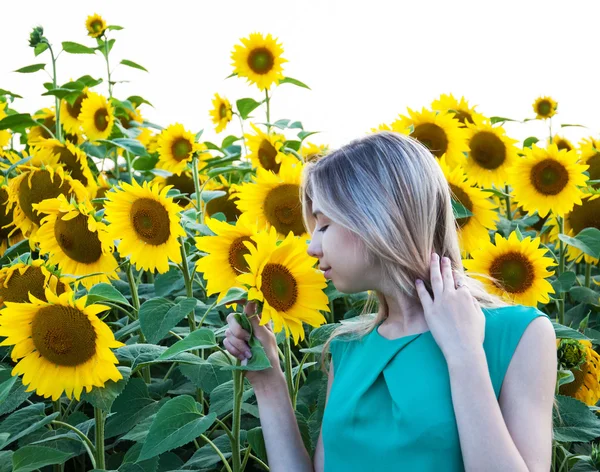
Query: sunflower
[
  {"x": 590, "y": 155},
  {"x": 265, "y": 150},
  {"x": 274, "y": 200},
  {"x": 147, "y": 223},
  {"x": 69, "y": 114},
  {"x": 221, "y": 113},
  {"x": 73, "y": 159},
  {"x": 472, "y": 229},
  {"x": 183, "y": 182},
  {"x": 548, "y": 179},
  {"x": 439, "y": 132},
  {"x": 76, "y": 241},
  {"x": 312, "y": 152},
  {"x": 460, "y": 109},
  {"x": 176, "y": 147},
  {"x": 95, "y": 25},
  {"x": 259, "y": 60},
  {"x": 518, "y": 267},
  {"x": 61, "y": 344},
  {"x": 584, "y": 362},
  {"x": 6, "y": 217},
  {"x": 561, "y": 143},
  {"x": 34, "y": 185},
  {"x": 39, "y": 133},
  {"x": 282, "y": 275},
  {"x": 225, "y": 203},
  {"x": 225, "y": 254},
  {"x": 491, "y": 154},
  {"x": 96, "y": 117},
  {"x": 4, "y": 134},
  {"x": 585, "y": 215},
  {"x": 20, "y": 280},
  {"x": 544, "y": 107}
]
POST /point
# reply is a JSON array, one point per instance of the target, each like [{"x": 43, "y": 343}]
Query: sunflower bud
[
  {"x": 37, "y": 36},
  {"x": 571, "y": 353},
  {"x": 595, "y": 455}
]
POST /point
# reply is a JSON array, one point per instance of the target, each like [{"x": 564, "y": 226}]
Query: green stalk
[
  {"x": 507, "y": 199},
  {"x": 99, "y": 417},
  {"x": 185, "y": 270},
  {"x": 135, "y": 299},
  {"x": 89, "y": 447},
  {"x": 268, "y": 109},
  {"x": 56, "y": 409},
  {"x": 561, "y": 269},
  {"x": 238, "y": 392},
  {"x": 58, "y": 132},
  {"x": 129, "y": 167},
  {"x": 197, "y": 189},
  {"x": 243, "y": 138},
  {"x": 107, "y": 66},
  {"x": 288, "y": 369},
  {"x": 588, "y": 274}
]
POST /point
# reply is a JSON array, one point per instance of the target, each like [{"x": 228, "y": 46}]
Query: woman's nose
[{"x": 314, "y": 249}]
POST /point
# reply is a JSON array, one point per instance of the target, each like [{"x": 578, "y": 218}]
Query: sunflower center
[
  {"x": 71, "y": 163},
  {"x": 223, "y": 205},
  {"x": 261, "y": 60},
  {"x": 75, "y": 109},
  {"x": 586, "y": 215},
  {"x": 184, "y": 183},
  {"x": 32, "y": 280},
  {"x": 283, "y": 209},
  {"x": 181, "y": 149},
  {"x": 488, "y": 150},
  {"x": 594, "y": 169},
  {"x": 63, "y": 335},
  {"x": 267, "y": 155},
  {"x": 463, "y": 116},
  {"x": 433, "y": 137},
  {"x": 76, "y": 240},
  {"x": 514, "y": 272},
  {"x": 549, "y": 177},
  {"x": 150, "y": 221},
  {"x": 97, "y": 25},
  {"x": 544, "y": 108},
  {"x": 50, "y": 124},
  {"x": 101, "y": 119},
  {"x": 465, "y": 200},
  {"x": 563, "y": 144},
  {"x": 237, "y": 251},
  {"x": 571, "y": 388},
  {"x": 279, "y": 287},
  {"x": 5, "y": 219},
  {"x": 223, "y": 111},
  {"x": 41, "y": 188}
]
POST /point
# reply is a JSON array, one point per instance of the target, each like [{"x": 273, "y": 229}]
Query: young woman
[{"x": 444, "y": 377}]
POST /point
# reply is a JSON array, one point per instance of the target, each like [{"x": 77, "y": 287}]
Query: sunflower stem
[
  {"x": 197, "y": 188},
  {"x": 135, "y": 299},
  {"x": 129, "y": 167},
  {"x": 288, "y": 369},
  {"x": 588, "y": 274},
  {"x": 189, "y": 289},
  {"x": 268, "y": 102},
  {"x": 507, "y": 200},
  {"x": 99, "y": 417},
  {"x": 243, "y": 138},
  {"x": 58, "y": 129},
  {"x": 561, "y": 269},
  {"x": 238, "y": 392},
  {"x": 91, "y": 450},
  {"x": 107, "y": 66}
]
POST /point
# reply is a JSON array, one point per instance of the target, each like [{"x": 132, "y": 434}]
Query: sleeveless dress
[{"x": 390, "y": 405}]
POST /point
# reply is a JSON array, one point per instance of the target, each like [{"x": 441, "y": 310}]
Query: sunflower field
[{"x": 125, "y": 244}]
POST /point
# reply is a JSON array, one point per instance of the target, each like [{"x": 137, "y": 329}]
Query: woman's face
[{"x": 341, "y": 255}]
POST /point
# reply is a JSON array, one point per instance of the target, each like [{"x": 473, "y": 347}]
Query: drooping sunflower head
[
  {"x": 584, "y": 362},
  {"x": 491, "y": 155},
  {"x": 146, "y": 222},
  {"x": 75, "y": 241},
  {"x": 60, "y": 344},
  {"x": 95, "y": 25},
  {"x": 183, "y": 182},
  {"x": 96, "y": 116},
  {"x": 460, "y": 109},
  {"x": 515, "y": 270},
  {"x": 283, "y": 276},
  {"x": 548, "y": 179},
  {"x": 223, "y": 204},
  {"x": 33, "y": 185},
  {"x": 221, "y": 112},
  {"x": 20, "y": 280},
  {"x": 440, "y": 132},
  {"x": 545, "y": 107},
  {"x": 274, "y": 200},
  {"x": 590, "y": 155},
  {"x": 225, "y": 254},
  {"x": 176, "y": 147},
  {"x": 69, "y": 113},
  {"x": 561, "y": 143},
  {"x": 265, "y": 149},
  {"x": 259, "y": 60}
]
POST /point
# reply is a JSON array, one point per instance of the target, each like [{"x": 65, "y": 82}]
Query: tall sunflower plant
[{"x": 124, "y": 246}]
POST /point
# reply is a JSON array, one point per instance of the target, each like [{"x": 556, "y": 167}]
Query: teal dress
[{"x": 390, "y": 406}]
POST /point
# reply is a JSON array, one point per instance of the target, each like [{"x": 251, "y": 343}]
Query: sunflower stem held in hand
[
  {"x": 288, "y": 370},
  {"x": 238, "y": 392}
]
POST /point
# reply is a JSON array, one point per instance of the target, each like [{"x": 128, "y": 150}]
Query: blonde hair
[{"x": 389, "y": 191}]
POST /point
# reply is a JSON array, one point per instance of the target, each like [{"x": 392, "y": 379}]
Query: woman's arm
[{"x": 516, "y": 434}]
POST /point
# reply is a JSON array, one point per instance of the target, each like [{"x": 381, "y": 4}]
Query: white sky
[{"x": 366, "y": 61}]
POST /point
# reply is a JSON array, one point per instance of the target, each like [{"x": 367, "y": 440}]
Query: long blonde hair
[{"x": 389, "y": 191}]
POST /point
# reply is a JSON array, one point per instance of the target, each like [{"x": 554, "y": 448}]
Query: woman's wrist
[{"x": 269, "y": 382}]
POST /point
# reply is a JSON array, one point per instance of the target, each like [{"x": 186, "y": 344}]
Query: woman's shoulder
[{"x": 511, "y": 316}]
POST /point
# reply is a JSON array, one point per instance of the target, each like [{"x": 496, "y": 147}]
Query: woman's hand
[
  {"x": 236, "y": 343},
  {"x": 453, "y": 315}
]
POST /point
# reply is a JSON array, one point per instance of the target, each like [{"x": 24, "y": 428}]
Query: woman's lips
[{"x": 327, "y": 273}]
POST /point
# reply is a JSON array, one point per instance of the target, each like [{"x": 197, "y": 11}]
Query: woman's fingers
[
  {"x": 437, "y": 283},
  {"x": 447, "y": 277}
]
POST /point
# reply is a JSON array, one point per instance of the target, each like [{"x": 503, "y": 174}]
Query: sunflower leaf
[
  {"x": 159, "y": 315},
  {"x": 131, "y": 145},
  {"x": 500, "y": 119},
  {"x": 17, "y": 122},
  {"x": 221, "y": 398},
  {"x": 585, "y": 295},
  {"x": 575, "y": 422},
  {"x": 564, "y": 281},
  {"x": 127, "y": 62},
  {"x": 245, "y": 106},
  {"x": 106, "y": 292},
  {"x": 178, "y": 422},
  {"x": 460, "y": 211},
  {"x": 206, "y": 457},
  {"x": 564, "y": 332},
  {"x": 202, "y": 338},
  {"x": 31, "y": 68},
  {"x": 258, "y": 361},
  {"x": 76, "y": 48},
  {"x": 24, "y": 421},
  {"x": 28, "y": 458},
  {"x": 588, "y": 241},
  {"x": 6, "y": 92},
  {"x": 289, "y": 80},
  {"x": 530, "y": 141},
  {"x": 233, "y": 294}
]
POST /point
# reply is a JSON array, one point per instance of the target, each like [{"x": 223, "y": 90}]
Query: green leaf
[
  {"x": 31, "y": 68},
  {"x": 460, "y": 211},
  {"x": 229, "y": 140},
  {"x": 159, "y": 315},
  {"x": 28, "y": 458},
  {"x": 106, "y": 292},
  {"x": 6, "y": 387},
  {"x": 289, "y": 80},
  {"x": 233, "y": 294},
  {"x": 40, "y": 48},
  {"x": 564, "y": 281},
  {"x": 76, "y": 48},
  {"x": 23, "y": 422},
  {"x": 588, "y": 240},
  {"x": 114, "y": 28},
  {"x": 202, "y": 338},
  {"x": 257, "y": 441},
  {"x": 245, "y": 106},
  {"x": 131, "y": 145},
  {"x": 565, "y": 377},
  {"x": 6, "y": 92},
  {"x": 142, "y": 354},
  {"x": 575, "y": 422},
  {"x": 567, "y": 333},
  {"x": 499, "y": 119},
  {"x": 585, "y": 295},
  {"x": 221, "y": 398},
  {"x": 258, "y": 361},
  {"x": 16, "y": 395},
  {"x": 177, "y": 423},
  {"x": 104, "y": 397},
  {"x": 207, "y": 376},
  {"x": 579, "y": 126},
  {"x": 127, "y": 62},
  {"x": 206, "y": 457},
  {"x": 23, "y": 120},
  {"x": 168, "y": 283},
  {"x": 305, "y": 134},
  {"x": 145, "y": 163},
  {"x": 530, "y": 141}
]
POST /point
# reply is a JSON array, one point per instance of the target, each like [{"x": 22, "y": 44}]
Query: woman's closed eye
[{"x": 323, "y": 228}]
